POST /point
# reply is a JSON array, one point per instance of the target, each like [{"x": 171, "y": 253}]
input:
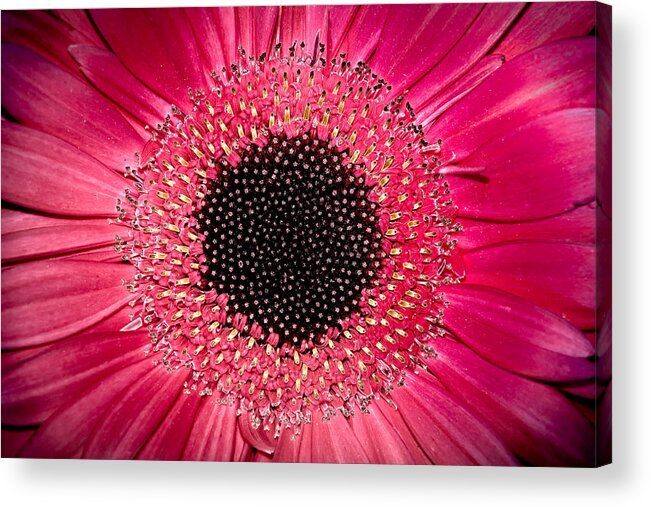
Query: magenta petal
[
  {"x": 535, "y": 420},
  {"x": 43, "y": 236},
  {"x": 552, "y": 157},
  {"x": 545, "y": 22},
  {"x": 107, "y": 73},
  {"x": 215, "y": 28},
  {"x": 333, "y": 441},
  {"x": 424, "y": 35},
  {"x": 361, "y": 38},
  {"x": 43, "y": 33},
  {"x": 447, "y": 432},
  {"x": 215, "y": 435},
  {"x": 13, "y": 440},
  {"x": 168, "y": 441},
  {"x": 158, "y": 47},
  {"x": 256, "y": 28},
  {"x": 64, "y": 433},
  {"x": 34, "y": 389},
  {"x": 557, "y": 276},
  {"x": 134, "y": 417},
  {"x": 382, "y": 441},
  {"x": 438, "y": 103},
  {"x": 576, "y": 226},
  {"x": 557, "y": 76},
  {"x": 47, "y": 300},
  {"x": 261, "y": 438},
  {"x": 486, "y": 29},
  {"x": 45, "y": 97},
  {"x": 44, "y": 173},
  {"x": 517, "y": 335}
]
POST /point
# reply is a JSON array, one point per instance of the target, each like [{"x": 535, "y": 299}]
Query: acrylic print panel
[{"x": 308, "y": 234}]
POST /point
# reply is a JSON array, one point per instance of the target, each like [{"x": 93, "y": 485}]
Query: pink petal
[
  {"x": 447, "y": 432},
  {"x": 140, "y": 409},
  {"x": 556, "y": 76},
  {"x": 604, "y": 172},
  {"x": 261, "y": 438},
  {"x": 361, "y": 38},
  {"x": 557, "y": 276},
  {"x": 517, "y": 335},
  {"x": 545, "y": 22},
  {"x": 34, "y": 389},
  {"x": 109, "y": 76},
  {"x": 485, "y": 30},
  {"x": 78, "y": 19},
  {"x": 64, "y": 433},
  {"x": 215, "y": 28},
  {"x": 45, "y": 97},
  {"x": 256, "y": 28},
  {"x": 215, "y": 435},
  {"x": 47, "y": 300},
  {"x": 48, "y": 236},
  {"x": 407, "y": 49},
  {"x": 168, "y": 441},
  {"x": 552, "y": 157},
  {"x": 577, "y": 226},
  {"x": 440, "y": 101},
  {"x": 321, "y": 441},
  {"x": 158, "y": 47},
  {"x": 333, "y": 441},
  {"x": 382, "y": 441},
  {"x": 44, "y": 34},
  {"x": 14, "y": 440},
  {"x": 47, "y": 174},
  {"x": 605, "y": 427},
  {"x": 536, "y": 421}
]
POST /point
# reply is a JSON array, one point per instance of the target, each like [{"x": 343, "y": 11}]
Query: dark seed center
[{"x": 291, "y": 236}]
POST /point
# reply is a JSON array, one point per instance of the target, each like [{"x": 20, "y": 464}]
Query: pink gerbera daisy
[{"x": 326, "y": 234}]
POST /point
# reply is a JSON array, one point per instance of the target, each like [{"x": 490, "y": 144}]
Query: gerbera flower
[{"x": 330, "y": 234}]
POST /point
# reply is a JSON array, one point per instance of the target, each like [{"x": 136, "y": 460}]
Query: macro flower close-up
[{"x": 335, "y": 234}]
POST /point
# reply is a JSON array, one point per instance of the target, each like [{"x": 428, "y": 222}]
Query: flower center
[{"x": 291, "y": 235}]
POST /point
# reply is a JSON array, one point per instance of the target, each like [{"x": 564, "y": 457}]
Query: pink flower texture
[{"x": 355, "y": 234}]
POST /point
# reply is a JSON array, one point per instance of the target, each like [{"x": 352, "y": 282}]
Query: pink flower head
[{"x": 302, "y": 234}]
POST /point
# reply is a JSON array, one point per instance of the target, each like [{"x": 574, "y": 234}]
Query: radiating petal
[
  {"x": 43, "y": 33},
  {"x": 540, "y": 169},
  {"x": 107, "y": 73},
  {"x": 43, "y": 96},
  {"x": 333, "y": 441},
  {"x": 158, "y": 47},
  {"x": 34, "y": 389},
  {"x": 215, "y": 435},
  {"x": 556, "y": 76},
  {"x": 545, "y": 22},
  {"x": 256, "y": 28},
  {"x": 382, "y": 441},
  {"x": 13, "y": 440},
  {"x": 168, "y": 441},
  {"x": 64, "y": 433},
  {"x": 446, "y": 431},
  {"x": 44, "y": 173},
  {"x": 425, "y": 34},
  {"x": 134, "y": 417},
  {"x": 517, "y": 335},
  {"x": 557, "y": 276},
  {"x": 44, "y": 236},
  {"x": 47, "y": 300},
  {"x": 486, "y": 29},
  {"x": 576, "y": 226},
  {"x": 535, "y": 420}
]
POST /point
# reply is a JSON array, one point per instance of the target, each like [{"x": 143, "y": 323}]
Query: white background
[{"x": 627, "y": 482}]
